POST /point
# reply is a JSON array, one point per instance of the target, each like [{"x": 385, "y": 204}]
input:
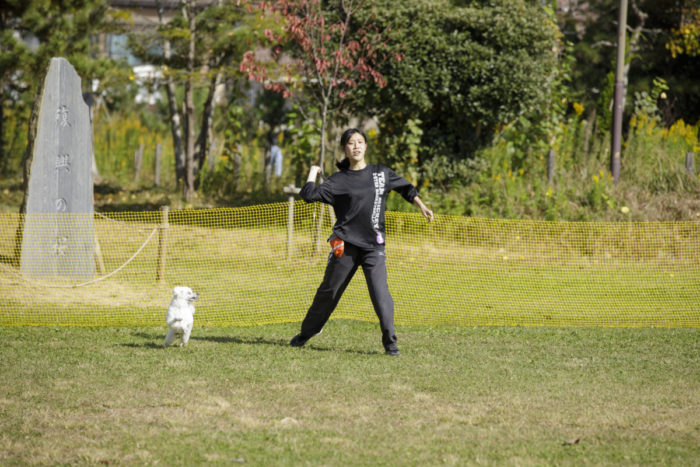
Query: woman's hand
[
  {"x": 313, "y": 173},
  {"x": 427, "y": 213}
]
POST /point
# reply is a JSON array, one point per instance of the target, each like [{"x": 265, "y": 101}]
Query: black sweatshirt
[{"x": 358, "y": 198}]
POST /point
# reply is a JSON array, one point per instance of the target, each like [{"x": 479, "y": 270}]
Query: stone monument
[{"x": 58, "y": 238}]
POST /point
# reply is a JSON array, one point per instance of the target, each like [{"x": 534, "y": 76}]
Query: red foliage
[{"x": 335, "y": 56}]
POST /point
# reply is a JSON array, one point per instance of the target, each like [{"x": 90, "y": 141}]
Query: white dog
[{"x": 179, "y": 317}]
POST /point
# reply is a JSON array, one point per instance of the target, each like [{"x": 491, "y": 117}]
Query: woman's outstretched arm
[{"x": 427, "y": 213}]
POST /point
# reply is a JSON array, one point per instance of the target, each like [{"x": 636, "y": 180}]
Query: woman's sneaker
[{"x": 298, "y": 340}]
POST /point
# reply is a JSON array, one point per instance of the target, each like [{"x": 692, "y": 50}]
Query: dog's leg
[
  {"x": 169, "y": 338},
  {"x": 186, "y": 335}
]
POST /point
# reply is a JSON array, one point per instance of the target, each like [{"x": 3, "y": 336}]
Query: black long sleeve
[{"x": 358, "y": 198}]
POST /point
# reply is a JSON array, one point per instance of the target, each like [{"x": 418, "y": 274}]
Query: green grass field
[{"x": 457, "y": 396}]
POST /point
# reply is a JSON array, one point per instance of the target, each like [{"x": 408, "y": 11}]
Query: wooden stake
[{"x": 162, "y": 243}]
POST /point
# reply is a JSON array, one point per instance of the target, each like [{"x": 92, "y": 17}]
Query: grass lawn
[{"x": 457, "y": 396}]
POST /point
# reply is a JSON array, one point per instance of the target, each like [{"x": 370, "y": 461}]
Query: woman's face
[{"x": 355, "y": 148}]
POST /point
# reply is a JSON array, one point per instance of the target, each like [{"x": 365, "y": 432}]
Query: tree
[
  {"x": 188, "y": 15},
  {"x": 466, "y": 70},
  {"x": 198, "y": 49},
  {"x": 13, "y": 51},
  {"x": 64, "y": 29},
  {"x": 333, "y": 50},
  {"x": 170, "y": 92},
  {"x": 660, "y": 36}
]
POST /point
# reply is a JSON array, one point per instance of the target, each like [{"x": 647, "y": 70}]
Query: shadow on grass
[
  {"x": 155, "y": 341},
  {"x": 279, "y": 343},
  {"x": 240, "y": 340},
  {"x": 147, "y": 345}
]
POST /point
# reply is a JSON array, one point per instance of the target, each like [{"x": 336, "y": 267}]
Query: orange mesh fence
[{"x": 253, "y": 266}]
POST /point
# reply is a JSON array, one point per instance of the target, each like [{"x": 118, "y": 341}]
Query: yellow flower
[
  {"x": 549, "y": 193},
  {"x": 578, "y": 108},
  {"x": 624, "y": 210},
  {"x": 595, "y": 179}
]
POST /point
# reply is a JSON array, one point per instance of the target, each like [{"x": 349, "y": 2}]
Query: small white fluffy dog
[{"x": 180, "y": 316}]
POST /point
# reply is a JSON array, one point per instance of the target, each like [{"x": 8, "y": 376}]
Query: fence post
[
  {"x": 690, "y": 163},
  {"x": 319, "y": 227},
  {"x": 98, "y": 257},
  {"x": 162, "y": 243},
  {"x": 291, "y": 190},
  {"x": 550, "y": 166},
  {"x": 159, "y": 154}
]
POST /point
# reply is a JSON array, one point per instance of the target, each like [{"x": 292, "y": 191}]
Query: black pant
[{"x": 339, "y": 271}]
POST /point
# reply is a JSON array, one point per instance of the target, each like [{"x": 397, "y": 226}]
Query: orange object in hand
[{"x": 337, "y": 246}]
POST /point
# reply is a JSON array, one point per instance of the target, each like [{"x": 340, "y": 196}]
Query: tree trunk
[
  {"x": 324, "y": 125},
  {"x": 203, "y": 141},
  {"x": 175, "y": 122},
  {"x": 3, "y": 162},
  {"x": 635, "y": 36},
  {"x": 188, "y": 12}
]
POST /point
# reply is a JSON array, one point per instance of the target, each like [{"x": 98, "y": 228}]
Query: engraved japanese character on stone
[
  {"x": 61, "y": 205},
  {"x": 59, "y": 248},
  {"x": 62, "y": 116},
  {"x": 63, "y": 162}
]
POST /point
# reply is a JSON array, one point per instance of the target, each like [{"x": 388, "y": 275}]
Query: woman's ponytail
[{"x": 344, "y": 164}]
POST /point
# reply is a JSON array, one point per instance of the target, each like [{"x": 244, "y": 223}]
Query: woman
[{"x": 358, "y": 195}]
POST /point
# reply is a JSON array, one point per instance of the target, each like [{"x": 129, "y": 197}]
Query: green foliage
[
  {"x": 223, "y": 33},
  {"x": 656, "y": 154},
  {"x": 15, "y": 125},
  {"x": 512, "y": 181},
  {"x": 60, "y": 29},
  {"x": 303, "y": 144},
  {"x": 238, "y": 168},
  {"x": 605, "y": 101},
  {"x": 664, "y": 48},
  {"x": 117, "y": 137},
  {"x": 686, "y": 38},
  {"x": 400, "y": 148},
  {"x": 54, "y": 29},
  {"x": 646, "y": 103},
  {"x": 463, "y": 70},
  {"x": 477, "y": 94}
]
